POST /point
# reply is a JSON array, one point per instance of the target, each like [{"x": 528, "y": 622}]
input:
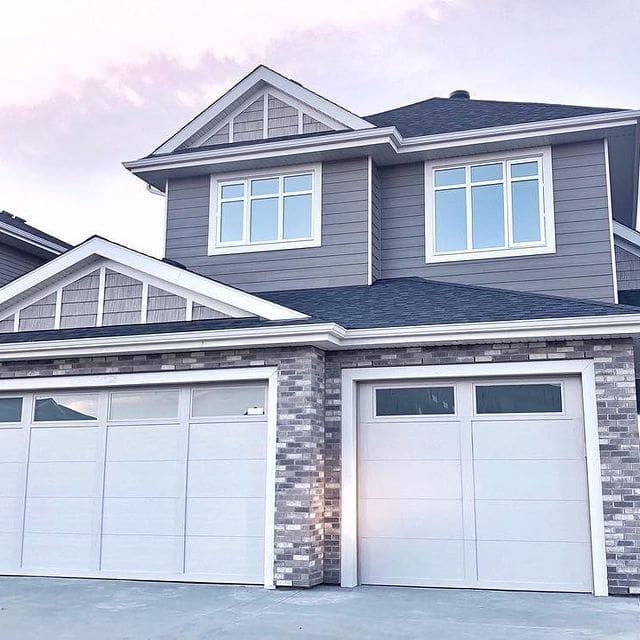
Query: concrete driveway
[{"x": 56, "y": 609}]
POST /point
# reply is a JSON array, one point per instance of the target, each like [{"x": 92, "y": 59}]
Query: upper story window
[
  {"x": 265, "y": 211},
  {"x": 490, "y": 207}
]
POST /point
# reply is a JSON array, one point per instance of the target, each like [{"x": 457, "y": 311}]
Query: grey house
[
  {"x": 380, "y": 350},
  {"x": 23, "y": 247}
]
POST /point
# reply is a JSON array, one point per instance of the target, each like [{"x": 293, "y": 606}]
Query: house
[
  {"x": 379, "y": 350},
  {"x": 23, "y": 247}
]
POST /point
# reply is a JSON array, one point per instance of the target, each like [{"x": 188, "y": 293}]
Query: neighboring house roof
[
  {"x": 30, "y": 238},
  {"x": 398, "y": 302},
  {"x": 447, "y": 115}
]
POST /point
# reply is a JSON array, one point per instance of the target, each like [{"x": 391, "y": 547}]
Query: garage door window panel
[
  {"x": 10, "y": 410},
  {"x": 414, "y": 401},
  {"x": 144, "y": 405},
  {"x": 212, "y": 402},
  {"x": 519, "y": 398},
  {"x": 66, "y": 408}
]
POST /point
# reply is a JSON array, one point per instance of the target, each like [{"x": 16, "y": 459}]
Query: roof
[
  {"x": 394, "y": 302},
  {"x": 19, "y": 229},
  {"x": 447, "y": 115}
]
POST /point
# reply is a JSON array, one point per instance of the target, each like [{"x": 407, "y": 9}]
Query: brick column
[{"x": 299, "y": 513}]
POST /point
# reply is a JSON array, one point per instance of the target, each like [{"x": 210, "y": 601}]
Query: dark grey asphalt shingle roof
[
  {"x": 387, "y": 303},
  {"x": 446, "y": 115},
  {"x": 20, "y": 225}
]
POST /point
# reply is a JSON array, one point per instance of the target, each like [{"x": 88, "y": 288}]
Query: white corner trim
[
  {"x": 349, "y": 428},
  {"x": 614, "y": 269},
  {"x": 260, "y": 76},
  {"x": 547, "y": 243},
  {"x": 218, "y": 180},
  {"x": 369, "y": 220},
  {"x": 271, "y": 476},
  {"x": 100, "y": 248}
]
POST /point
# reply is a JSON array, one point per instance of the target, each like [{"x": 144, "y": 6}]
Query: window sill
[
  {"x": 264, "y": 247},
  {"x": 490, "y": 254}
]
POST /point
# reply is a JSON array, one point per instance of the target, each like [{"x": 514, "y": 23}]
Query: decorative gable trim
[
  {"x": 105, "y": 279},
  {"x": 257, "y": 79}
]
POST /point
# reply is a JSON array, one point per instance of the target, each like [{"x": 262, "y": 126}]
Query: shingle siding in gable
[
  {"x": 581, "y": 266},
  {"x": 628, "y": 270},
  {"x": 341, "y": 260}
]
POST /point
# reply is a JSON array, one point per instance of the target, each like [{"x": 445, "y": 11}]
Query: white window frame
[
  {"x": 547, "y": 242},
  {"x": 216, "y": 247}
]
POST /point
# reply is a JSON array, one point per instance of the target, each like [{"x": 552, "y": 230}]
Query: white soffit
[{"x": 178, "y": 280}]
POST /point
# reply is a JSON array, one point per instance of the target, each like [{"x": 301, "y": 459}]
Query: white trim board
[
  {"x": 258, "y": 77},
  {"x": 152, "y": 268},
  {"x": 349, "y": 426},
  {"x": 164, "y": 378}
]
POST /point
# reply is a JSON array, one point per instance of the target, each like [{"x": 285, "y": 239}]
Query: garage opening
[
  {"x": 149, "y": 482},
  {"x": 475, "y": 483}
]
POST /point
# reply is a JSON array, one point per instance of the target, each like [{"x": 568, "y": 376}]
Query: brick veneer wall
[
  {"x": 617, "y": 424},
  {"x": 307, "y": 517}
]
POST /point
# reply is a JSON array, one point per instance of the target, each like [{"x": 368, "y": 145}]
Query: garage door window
[
  {"x": 143, "y": 405},
  {"x": 415, "y": 401},
  {"x": 10, "y": 409},
  {"x": 69, "y": 407},
  {"x": 243, "y": 400},
  {"x": 519, "y": 398}
]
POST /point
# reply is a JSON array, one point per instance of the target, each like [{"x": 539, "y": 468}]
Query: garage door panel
[
  {"x": 143, "y": 554},
  {"x": 8, "y": 550},
  {"x": 227, "y": 441},
  {"x": 410, "y": 479},
  {"x": 11, "y": 445},
  {"x": 528, "y": 439},
  {"x": 239, "y": 559},
  {"x": 411, "y": 518},
  {"x": 10, "y": 513},
  {"x": 62, "y": 480},
  {"x": 423, "y": 440},
  {"x": 405, "y": 561},
  {"x": 566, "y": 565},
  {"x": 530, "y": 479},
  {"x": 530, "y": 520},
  {"x": 58, "y": 551},
  {"x": 148, "y": 442},
  {"x": 143, "y": 516},
  {"x": 225, "y": 516},
  {"x": 64, "y": 444},
  {"x": 155, "y": 479},
  {"x": 61, "y": 515},
  {"x": 226, "y": 478},
  {"x": 11, "y": 479}
]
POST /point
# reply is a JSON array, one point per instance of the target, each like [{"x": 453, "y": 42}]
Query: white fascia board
[
  {"x": 29, "y": 238},
  {"x": 385, "y": 135},
  {"x": 329, "y": 336},
  {"x": 264, "y": 75},
  {"x": 101, "y": 248}
]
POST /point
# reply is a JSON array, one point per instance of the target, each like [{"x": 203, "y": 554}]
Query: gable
[
  {"x": 263, "y": 105},
  {"x": 102, "y": 284}
]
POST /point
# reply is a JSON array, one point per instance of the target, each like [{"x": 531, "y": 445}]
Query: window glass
[
  {"x": 264, "y": 220},
  {"x": 446, "y": 177},
  {"x": 297, "y": 217},
  {"x": 519, "y": 398},
  {"x": 10, "y": 409},
  {"x": 143, "y": 404},
  {"x": 231, "y": 214},
  {"x": 297, "y": 183},
  {"x": 524, "y": 169},
  {"x": 228, "y": 401},
  {"x": 525, "y": 201},
  {"x": 66, "y": 407},
  {"x": 233, "y": 190},
  {"x": 486, "y": 172},
  {"x": 451, "y": 220},
  {"x": 487, "y": 204},
  {"x": 415, "y": 401},
  {"x": 266, "y": 186}
]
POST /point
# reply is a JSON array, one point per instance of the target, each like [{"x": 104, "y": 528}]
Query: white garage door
[
  {"x": 475, "y": 483},
  {"x": 161, "y": 483}
]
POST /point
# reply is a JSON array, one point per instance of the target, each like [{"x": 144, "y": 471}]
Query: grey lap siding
[
  {"x": 15, "y": 263},
  {"x": 341, "y": 260},
  {"x": 580, "y": 268}
]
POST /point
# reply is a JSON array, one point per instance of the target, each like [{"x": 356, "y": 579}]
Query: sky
[{"x": 86, "y": 85}]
